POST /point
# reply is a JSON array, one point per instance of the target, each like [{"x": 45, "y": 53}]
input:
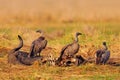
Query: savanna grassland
[
  {"x": 58, "y": 35},
  {"x": 98, "y": 20}
]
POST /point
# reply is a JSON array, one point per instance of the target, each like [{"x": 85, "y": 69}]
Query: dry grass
[
  {"x": 59, "y": 35},
  {"x": 98, "y": 20}
]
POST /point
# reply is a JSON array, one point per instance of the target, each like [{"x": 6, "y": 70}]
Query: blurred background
[
  {"x": 59, "y": 10},
  {"x": 59, "y": 18}
]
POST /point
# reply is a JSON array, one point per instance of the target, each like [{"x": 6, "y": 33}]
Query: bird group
[{"x": 67, "y": 54}]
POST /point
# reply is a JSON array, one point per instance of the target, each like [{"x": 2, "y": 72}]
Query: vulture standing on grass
[
  {"x": 102, "y": 55},
  {"x": 69, "y": 50},
  {"x": 37, "y": 45}
]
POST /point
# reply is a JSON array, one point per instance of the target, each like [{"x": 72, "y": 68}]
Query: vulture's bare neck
[
  {"x": 105, "y": 47},
  {"x": 76, "y": 38}
]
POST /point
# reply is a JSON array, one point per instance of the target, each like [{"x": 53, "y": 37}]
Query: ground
[{"x": 58, "y": 35}]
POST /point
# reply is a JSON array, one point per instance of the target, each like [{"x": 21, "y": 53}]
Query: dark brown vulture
[
  {"x": 37, "y": 45},
  {"x": 12, "y": 56}
]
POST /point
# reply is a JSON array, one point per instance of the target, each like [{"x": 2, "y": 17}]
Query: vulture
[
  {"x": 16, "y": 56},
  {"x": 37, "y": 45},
  {"x": 102, "y": 55},
  {"x": 69, "y": 50},
  {"x": 12, "y": 56}
]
